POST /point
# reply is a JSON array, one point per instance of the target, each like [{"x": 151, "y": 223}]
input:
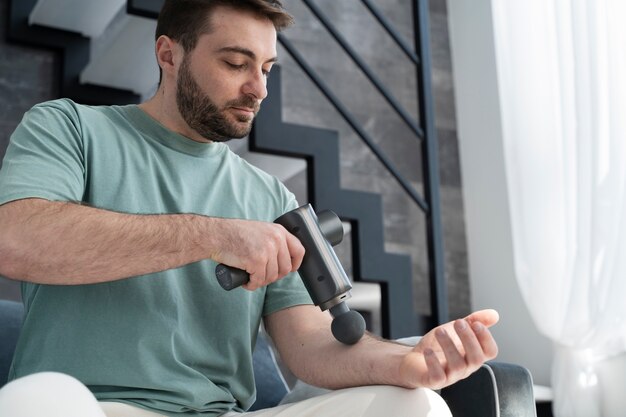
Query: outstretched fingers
[
  {"x": 464, "y": 348},
  {"x": 436, "y": 377},
  {"x": 486, "y": 340},
  {"x": 456, "y": 367}
]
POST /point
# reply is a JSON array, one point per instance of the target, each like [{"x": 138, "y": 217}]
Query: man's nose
[{"x": 256, "y": 86}]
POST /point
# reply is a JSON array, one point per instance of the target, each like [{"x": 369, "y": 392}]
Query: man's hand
[
  {"x": 266, "y": 251},
  {"x": 451, "y": 351}
]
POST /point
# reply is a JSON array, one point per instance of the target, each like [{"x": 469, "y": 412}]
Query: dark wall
[{"x": 27, "y": 76}]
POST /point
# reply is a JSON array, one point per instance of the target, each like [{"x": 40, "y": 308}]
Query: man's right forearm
[{"x": 65, "y": 243}]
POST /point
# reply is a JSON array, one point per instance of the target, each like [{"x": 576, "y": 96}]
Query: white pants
[{"x": 50, "y": 394}]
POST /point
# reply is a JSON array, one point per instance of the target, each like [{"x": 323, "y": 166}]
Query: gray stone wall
[{"x": 27, "y": 76}]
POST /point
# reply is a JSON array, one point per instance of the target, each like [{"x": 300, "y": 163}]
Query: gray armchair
[{"x": 495, "y": 390}]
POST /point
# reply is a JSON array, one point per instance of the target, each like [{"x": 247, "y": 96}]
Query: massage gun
[{"x": 321, "y": 271}]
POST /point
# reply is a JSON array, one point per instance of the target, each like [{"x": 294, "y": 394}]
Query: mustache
[{"x": 245, "y": 102}]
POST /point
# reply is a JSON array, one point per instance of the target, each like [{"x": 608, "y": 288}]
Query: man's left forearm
[
  {"x": 444, "y": 355},
  {"x": 306, "y": 344}
]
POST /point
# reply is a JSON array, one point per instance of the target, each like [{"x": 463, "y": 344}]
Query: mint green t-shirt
[{"x": 174, "y": 341}]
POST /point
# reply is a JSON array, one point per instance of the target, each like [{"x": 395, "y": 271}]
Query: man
[{"x": 114, "y": 219}]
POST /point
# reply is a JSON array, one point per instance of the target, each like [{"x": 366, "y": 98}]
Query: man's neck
[{"x": 165, "y": 111}]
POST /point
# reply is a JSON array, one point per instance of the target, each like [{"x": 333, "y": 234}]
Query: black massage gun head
[{"x": 348, "y": 326}]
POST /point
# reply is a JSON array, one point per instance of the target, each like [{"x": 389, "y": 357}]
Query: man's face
[{"x": 222, "y": 82}]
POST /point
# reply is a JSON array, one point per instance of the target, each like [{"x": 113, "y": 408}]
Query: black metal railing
[
  {"x": 352, "y": 121},
  {"x": 430, "y": 165},
  {"x": 360, "y": 63}
]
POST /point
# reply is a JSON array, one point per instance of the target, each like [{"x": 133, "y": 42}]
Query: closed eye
[{"x": 239, "y": 67}]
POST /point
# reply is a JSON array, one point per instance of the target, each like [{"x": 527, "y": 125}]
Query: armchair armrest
[{"x": 495, "y": 390}]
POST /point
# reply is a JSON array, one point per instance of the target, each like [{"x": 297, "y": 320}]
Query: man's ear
[{"x": 169, "y": 55}]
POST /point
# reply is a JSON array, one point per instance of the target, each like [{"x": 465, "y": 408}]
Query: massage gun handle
[{"x": 230, "y": 277}]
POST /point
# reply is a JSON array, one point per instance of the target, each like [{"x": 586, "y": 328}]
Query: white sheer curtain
[{"x": 562, "y": 81}]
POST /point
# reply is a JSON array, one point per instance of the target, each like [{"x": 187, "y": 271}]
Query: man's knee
[
  {"x": 376, "y": 401},
  {"x": 395, "y": 401},
  {"x": 48, "y": 394}
]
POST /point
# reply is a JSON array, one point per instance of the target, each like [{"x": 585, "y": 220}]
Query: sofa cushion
[
  {"x": 270, "y": 384},
  {"x": 11, "y": 316}
]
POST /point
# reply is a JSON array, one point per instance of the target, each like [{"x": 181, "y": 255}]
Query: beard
[{"x": 204, "y": 116}]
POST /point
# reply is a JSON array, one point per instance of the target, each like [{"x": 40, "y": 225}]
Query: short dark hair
[{"x": 185, "y": 20}]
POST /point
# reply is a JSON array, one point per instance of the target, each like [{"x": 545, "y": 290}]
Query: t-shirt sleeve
[
  {"x": 290, "y": 290},
  {"x": 287, "y": 292},
  {"x": 44, "y": 158}
]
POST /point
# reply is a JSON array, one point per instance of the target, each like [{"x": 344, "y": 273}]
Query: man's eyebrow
[{"x": 243, "y": 51}]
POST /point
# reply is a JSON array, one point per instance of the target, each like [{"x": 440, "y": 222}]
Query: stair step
[
  {"x": 88, "y": 17},
  {"x": 123, "y": 57},
  {"x": 282, "y": 167}
]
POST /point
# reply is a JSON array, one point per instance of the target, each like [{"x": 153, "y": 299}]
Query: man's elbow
[
  {"x": 10, "y": 266},
  {"x": 14, "y": 260}
]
